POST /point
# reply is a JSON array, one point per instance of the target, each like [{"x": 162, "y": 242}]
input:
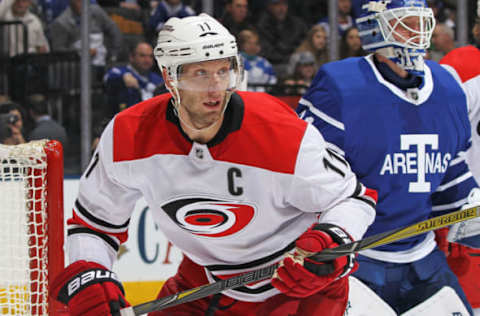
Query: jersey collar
[
  {"x": 415, "y": 96},
  {"x": 232, "y": 121}
]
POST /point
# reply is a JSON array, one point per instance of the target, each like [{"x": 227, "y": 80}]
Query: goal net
[{"x": 31, "y": 226}]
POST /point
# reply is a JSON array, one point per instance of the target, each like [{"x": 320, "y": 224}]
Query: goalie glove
[
  {"x": 467, "y": 233},
  {"x": 89, "y": 289},
  {"x": 299, "y": 276}
]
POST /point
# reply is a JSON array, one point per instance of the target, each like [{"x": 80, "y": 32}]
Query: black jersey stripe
[
  {"x": 247, "y": 290},
  {"x": 98, "y": 221},
  {"x": 337, "y": 156},
  {"x": 358, "y": 189},
  {"x": 86, "y": 230},
  {"x": 251, "y": 264},
  {"x": 366, "y": 200}
]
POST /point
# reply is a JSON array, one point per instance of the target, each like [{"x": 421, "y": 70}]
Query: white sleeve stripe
[
  {"x": 330, "y": 120},
  {"x": 457, "y": 160},
  {"x": 444, "y": 207},
  {"x": 335, "y": 148},
  {"x": 455, "y": 181}
]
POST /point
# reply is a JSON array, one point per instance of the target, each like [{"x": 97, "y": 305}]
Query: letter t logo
[{"x": 420, "y": 140}]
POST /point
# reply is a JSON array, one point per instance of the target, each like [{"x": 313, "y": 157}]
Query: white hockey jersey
[
  {"x": 235, "y": 204},
  {"x": 465, "y": 62}
]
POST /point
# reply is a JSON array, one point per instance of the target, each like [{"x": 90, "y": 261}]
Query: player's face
[
  {"x": 202, "y": 87},
  {"x": 407, "y": 29}
]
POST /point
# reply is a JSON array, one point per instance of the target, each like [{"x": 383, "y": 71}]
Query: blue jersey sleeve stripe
[
  {"x": 321, "y": 115},
  {"x": 454, "y": 182}
]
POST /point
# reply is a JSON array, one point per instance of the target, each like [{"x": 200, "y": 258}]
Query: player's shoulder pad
[
  {"x": 457, "y": 57},
  {"x": 139, "y": 125},
  {"x": 339, "y": 85},
  {"x": 265, "y": 102},
  {"x": 446, "y": 78},
  {"x": 347, "y": 73},
  {"x": 273, "y": 128}
]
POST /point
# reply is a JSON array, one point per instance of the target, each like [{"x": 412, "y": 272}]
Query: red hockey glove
[
  {"x": 89, "y": 289},
  {"x": 441, "y": 239},
  {"x": 458, "y": 259},
  {"x": 298, "y": 276}
]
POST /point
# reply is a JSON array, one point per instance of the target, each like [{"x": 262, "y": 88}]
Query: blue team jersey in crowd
[
  {"x": 259, "y": 71},
  {"x": 120, "y": 94},
  {"x": 409, "y": 146}
]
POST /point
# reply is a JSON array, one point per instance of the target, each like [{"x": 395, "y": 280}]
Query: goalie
[
  {"x": 402, "y": 124},
  {"x": 234, "y": 179}
]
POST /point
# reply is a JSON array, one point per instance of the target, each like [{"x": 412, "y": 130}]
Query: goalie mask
[
  {"x": 398, "y": 29},
  {"x": 192, "y": 40}
]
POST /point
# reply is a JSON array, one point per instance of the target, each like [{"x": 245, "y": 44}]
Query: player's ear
[{"x": 166, "y": 77}]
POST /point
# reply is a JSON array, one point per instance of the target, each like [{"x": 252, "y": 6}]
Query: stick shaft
[
  {"x": 325, "y": 255},
  {"x": 398, "y": 234}
]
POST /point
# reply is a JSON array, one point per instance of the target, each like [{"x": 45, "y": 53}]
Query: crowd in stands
[{"x": 282, "y": 42}]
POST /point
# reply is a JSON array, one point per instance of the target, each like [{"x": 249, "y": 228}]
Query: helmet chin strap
[{"x": 407, "y": 59}]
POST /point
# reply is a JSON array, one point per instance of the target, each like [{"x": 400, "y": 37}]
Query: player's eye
[
  {"x": 200, "y": 73},
  {"x": 223, "y": 72}
]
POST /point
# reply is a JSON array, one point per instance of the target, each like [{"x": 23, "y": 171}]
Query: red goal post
[{"x": 31, "y": 227}]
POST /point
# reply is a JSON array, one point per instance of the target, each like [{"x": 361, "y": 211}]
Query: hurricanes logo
[{"x": 209, "y": 217}]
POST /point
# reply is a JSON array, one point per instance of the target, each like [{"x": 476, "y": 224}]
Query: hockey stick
[{"x": 325, "y": 255}]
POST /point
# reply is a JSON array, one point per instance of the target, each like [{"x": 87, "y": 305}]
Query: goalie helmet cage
[{"x": 31, "y": 227}]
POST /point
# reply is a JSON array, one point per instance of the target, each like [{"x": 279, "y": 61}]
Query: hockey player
[
  {"x": 235, "y": 180},
  {"x": 402, "y": 124},
  {"x": 464, "y": 260}
]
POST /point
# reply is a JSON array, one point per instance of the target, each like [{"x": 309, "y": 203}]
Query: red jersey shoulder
[
  {"x": 270, "y": 135},
  {"x": 465, "y": 60},
  {"x": 142, "y": 130}
]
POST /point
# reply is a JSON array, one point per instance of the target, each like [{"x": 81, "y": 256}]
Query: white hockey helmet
[
  {"x": 195, "y": 39},
  {"x": 378, "y": 27}
]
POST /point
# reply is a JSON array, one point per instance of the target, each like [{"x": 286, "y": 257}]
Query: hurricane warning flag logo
[{"x": 210, "y": 217}]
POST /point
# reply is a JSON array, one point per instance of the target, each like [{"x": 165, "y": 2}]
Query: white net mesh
[{"x": 23, "y": 229}]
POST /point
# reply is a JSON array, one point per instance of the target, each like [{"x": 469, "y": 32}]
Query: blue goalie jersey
[{"x": 408, "y": 145}]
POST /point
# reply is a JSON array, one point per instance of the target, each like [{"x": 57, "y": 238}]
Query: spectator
[
  {"x": 45, "y": 126},
  {"x": 5, "y": 6},
  {"x": 315, "y": 43},
  {"x": 135, "y": 5},
  {"x": 163, "y": 11},
  {"x": 309, "y": 10},
  {"x": 350, "y": 44},
  {"x": 280, "y": 33},
  {"x": 303, "y": 74},
  {"x": 8, "y": 132},
  {"x": 443, "y": 39},
  {"x": 65, "y": 35},
  {"x": 235, "y": 17},
  {"x": 37, "y": 41},
  {"x": 135, "y": 82},
  {"x": 345, "y": 20},
  {"x": 259, "y": 70},
  {"x": 356, "y": 9},
  {"x": 49, "y": 10},
  {"x": 15, "y": 114}
]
